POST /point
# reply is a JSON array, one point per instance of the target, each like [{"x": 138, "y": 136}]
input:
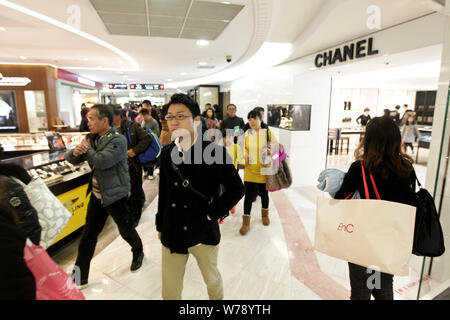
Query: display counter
[
  {"x": 68, "y": 183},
  {"x": 19, "y": 144}
]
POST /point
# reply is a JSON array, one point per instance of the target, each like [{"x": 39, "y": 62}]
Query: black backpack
[{"x": 428, "y": 236}]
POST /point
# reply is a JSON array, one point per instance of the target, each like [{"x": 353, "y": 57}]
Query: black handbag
[{"x": 428, "y": 235}]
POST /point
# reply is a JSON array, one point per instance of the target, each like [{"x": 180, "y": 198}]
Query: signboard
[
  {"x": 122, "y": 86},
  {"x": 72, "y": 77},
  {"x": 13, "y": 81},
  {"x": 357, "y": 50},
  {"x": 142, "y": 86}
]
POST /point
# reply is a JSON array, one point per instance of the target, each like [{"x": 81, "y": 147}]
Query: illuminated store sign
[
  {"x": 72, "y": 77},
  {"x": 13, "y": 82},
  {"x": 122, "y": 86},
  {"x": 352, "y": 51},
  {"x": 140, "y": 86}
]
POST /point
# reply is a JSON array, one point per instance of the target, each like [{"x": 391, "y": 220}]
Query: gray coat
[
  {"x": 109, "y": 163},
  {"x": 410, "y": 133}
]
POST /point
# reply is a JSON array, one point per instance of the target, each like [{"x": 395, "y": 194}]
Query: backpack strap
[{"x": 128, "y": 132}]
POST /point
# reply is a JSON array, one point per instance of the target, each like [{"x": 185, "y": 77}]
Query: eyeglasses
[{"x": 179, "y": 117}]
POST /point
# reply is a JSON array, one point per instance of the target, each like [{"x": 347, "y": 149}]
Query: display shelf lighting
[{"x": 2, "y": 29}]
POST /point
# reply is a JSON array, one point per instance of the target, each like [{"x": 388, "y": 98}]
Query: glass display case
[
  {"x": 71, "y": 139},
  {"x": 51, "y": 167},
  {"x": 296, "y": 117}
]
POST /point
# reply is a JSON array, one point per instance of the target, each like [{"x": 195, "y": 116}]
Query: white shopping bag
[
  {"x": 53, "y": 215},
  {"x": 370, "y": 233}
]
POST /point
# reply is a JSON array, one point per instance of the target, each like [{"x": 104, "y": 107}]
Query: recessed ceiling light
[
  {"x": 226, "y": 21},
  {"x": 23, "y": 58},
  {"x": 119, "y": 72},
  {"x": 2, "y": 29},
  {"x": 202, "y": 42},
  {"x": 226, "y": 2},
  {"x": 203, "y": 63},
  {"x": 169, "y": 79},
  {"x": 183, "y": 73},
  {"x": 86, "y": 59}
]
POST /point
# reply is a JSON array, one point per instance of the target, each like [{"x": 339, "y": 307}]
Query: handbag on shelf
[
  {"x": 376, "y": 234},
  {"x": 52, "y": 283}
]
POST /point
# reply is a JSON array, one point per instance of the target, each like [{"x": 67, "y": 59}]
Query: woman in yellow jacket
[{"x": 256, "y": 152}]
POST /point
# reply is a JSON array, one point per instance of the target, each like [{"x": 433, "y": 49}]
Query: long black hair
[{"x": 381, "y": 149}]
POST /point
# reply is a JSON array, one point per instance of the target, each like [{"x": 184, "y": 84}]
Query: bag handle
[{"x": 366, "y": 188}]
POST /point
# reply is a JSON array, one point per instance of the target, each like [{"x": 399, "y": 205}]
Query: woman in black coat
[
  {"x": 14, "y": 196},
  {"x": 16, "y": 280}
]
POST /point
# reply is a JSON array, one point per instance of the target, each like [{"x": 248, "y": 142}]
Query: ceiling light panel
[
  {"x": 166, "y": 22},
  {"x": 164, "y": 32},
  {"x": 214, "y": 11},
  {"x": 127, "y": 30},
  {"x": 119, "y": 6},
  {"x": 205, "y": 24},
  {"x": 170, "y": 8},
  {"x": 200, "y": 34},
  {"x": 205, "y": 20},
  {"x": 121, "y": 18}
]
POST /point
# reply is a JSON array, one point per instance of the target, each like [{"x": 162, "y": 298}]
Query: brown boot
[
  {"x": 245, "y": 224},
  {"x": 265, "y": 216}
]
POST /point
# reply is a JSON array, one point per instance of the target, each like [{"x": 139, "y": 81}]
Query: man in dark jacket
[
  {"x": 190, "y": 202},
  {"x": 106, "y": 152},
  {"x": 232, "y": 122},
  {"x": 140, "y": 140}
]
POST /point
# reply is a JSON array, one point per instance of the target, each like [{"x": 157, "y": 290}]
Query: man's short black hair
[
  {"x": 144, "y": 112},
  {"x": 147, "y": 102},
  {"x": 259, "y": 109},
  {"x": 181, "y": 98},
  {"x": 254, "y": 114},
  {"x": 105, "y": 111},
  {"x": 117, "y": 110},
  {"x": 231, "y": 104}
]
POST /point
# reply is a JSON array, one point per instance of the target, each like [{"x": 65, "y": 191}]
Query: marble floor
[{"x": 275, "y": 262}]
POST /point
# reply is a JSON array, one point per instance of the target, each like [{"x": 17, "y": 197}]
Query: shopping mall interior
[{"x": 313, "y": 65}]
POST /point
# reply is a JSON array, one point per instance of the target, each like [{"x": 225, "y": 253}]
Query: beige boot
[
  {"x": 245, "y": 224},
  {"x": 265, "y": 216}
]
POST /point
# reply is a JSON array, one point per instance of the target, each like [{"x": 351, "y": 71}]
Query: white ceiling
[{"x": 309, "y": 25}]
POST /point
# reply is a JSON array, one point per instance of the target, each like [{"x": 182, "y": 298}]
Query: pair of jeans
[
  {"x": 136, "y": 200},
  {"x": 366, "y": 282},
  {"x": 251, "y": 191},
  {"x": 95, "y": 221},
  {"x": 409, "y": 144}
]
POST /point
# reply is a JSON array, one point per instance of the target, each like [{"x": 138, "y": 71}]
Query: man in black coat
[
  {"x": 192, "y": 175},
  {"x": 232, "y": 122},
  {"x": 137, "y": 142}
]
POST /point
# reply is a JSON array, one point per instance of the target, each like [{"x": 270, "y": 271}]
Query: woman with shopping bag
[{"x": 381, "y": 171}]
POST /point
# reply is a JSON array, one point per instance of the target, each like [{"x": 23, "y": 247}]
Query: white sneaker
[{"x": 150, "y": 177}]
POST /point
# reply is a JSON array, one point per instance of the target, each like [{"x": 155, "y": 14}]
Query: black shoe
[
  {"x": 83, "y": 283},
  {"x": 137, "y": 262}
]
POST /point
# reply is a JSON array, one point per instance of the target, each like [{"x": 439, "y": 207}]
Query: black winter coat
[
  {"x": 182, "y": 216},
  {"x": 16, "y": 280},
  {"x": 18, "y": 200}
]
